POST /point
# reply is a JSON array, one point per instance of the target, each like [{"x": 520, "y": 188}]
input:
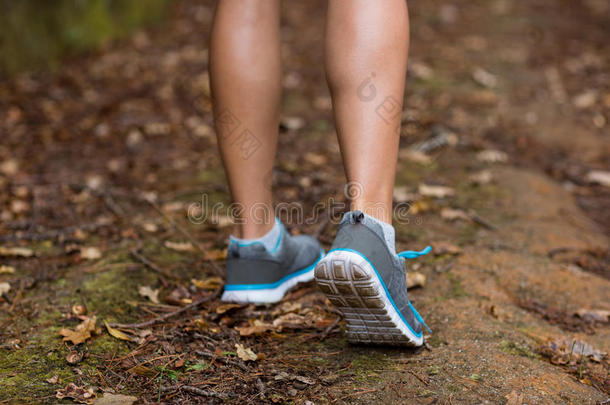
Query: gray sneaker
[
  {"x": 367, "y": 283},
  {"x": 257, "y": 275}
]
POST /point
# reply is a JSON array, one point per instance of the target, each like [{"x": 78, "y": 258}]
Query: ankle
[
  {"x": 378, "y": 210},
  {"x": 251, "y": 230}
]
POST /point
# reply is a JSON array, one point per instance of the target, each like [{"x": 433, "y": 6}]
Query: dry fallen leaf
[
  {"x": 180, "y": 246},
  {"x": 451, "y": 214},
  {"x": 492, "y": 156},
  {"x": 292, "y": 123},
  {"x": 79, "y": 310},
  {"x": 4, "y": 288},
  {"x": 566, "y": 350},
  {"x": 597, "y": 315},
  {"x": 16, "y": 251},
  {"x": 150, "y": 227},
  {"x": 443, "y": 248},
  {"x": 585, "y": 100},
  {"x": 484, "y": 78},
  {"x": 402, "y": 194},
  {"x": 246, "y": 354},
  {"x": 53, "y": 380},
  {"x": 74, "y": 357},
  {"x": 255, "y": 328},
  {"x": 415, "y": 279},
  {"x": 142, "y": 371},
  {"x": 514, "y": 398},
  {"x": 293, "y": 321},
  {"x": 216, "y": 254},
  {"x": 435, "y": 191},
  {"x": 90, "y": 253},
  {"x": 415, "y": 156},
  {"x": 483, "y": 177},
  {"x": 211, "y": 283},
  {"x": 315, "y": 159},
  {"x": 222, "y": 308},
  {"x": 78, "y": 394},
  {"x": 115, "y": 399},
  {"x": 9, "y": 167},
  {"x": 147, "y": 292},
  {"x": 82, "y": 331},
  {"x": 7, "y": 270},
  {"x": 599, "y": 177},
  {"x": 117, "y": 333}
]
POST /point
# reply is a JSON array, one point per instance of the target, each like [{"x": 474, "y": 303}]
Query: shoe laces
[{"x": 413, "y": 254}]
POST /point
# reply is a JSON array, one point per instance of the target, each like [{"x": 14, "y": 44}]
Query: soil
[{"x": 106, "y": 161}]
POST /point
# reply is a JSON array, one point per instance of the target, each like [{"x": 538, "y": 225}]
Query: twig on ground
[
  {"x": 190, "y": 237},
  {"x": 168, "y": 315},
  {"x": 324, "y": 334},
  {"x": 136, "y": 255},
  {"x": 221, "y": 359},
  {"x": 474, "y": 217},
  {"x": 197, "y": 391},
  {"x": 330, "y": 327},
  {"x": 354, "y": 394},
  {"x": 414, "y": 374}
]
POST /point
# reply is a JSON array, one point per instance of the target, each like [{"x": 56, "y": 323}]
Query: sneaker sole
[
  {"x": 244, "y": 294},
  {"x": 352, "y": 284}
]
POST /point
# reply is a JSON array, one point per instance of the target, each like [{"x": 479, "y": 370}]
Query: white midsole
[
  {"x": 266, "y": 295},
  {"x": 347, "y": 257}
]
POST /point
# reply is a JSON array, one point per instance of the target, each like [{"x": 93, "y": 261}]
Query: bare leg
[
  {"x": 366, "y": 59},
  {"x": 245, "y": 72}
]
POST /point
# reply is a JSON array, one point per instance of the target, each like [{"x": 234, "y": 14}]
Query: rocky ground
[{"x": 109, "y": 272}]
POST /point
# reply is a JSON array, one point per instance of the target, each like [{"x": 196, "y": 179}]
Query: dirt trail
[{"x": 103, "y": 167}]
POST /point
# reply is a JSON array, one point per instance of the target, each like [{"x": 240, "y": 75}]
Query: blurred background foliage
[{"x": 38, "y": 33}]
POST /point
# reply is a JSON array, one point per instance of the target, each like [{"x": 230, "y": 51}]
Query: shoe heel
[{"x": 349, "y": 281}]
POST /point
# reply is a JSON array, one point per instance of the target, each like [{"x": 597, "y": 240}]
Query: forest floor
[{"x": 105, "y": 166}]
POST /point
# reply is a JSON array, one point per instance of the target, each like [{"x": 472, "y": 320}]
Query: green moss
[
  {"x": 106, "y": 292},
  {"x": 456, "y": 290},
  {"x": 365, "y": 366},
  {"x": 37, "y": 33},
  {"x": 517, "y": 349},
  {"x": 435, "y": 341},
  {"x": 23, "y": 373}
]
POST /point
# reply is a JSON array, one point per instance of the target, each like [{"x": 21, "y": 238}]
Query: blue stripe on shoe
[
  {"x": 235, "y": 287},
  {"x": 386, "y": 290}
]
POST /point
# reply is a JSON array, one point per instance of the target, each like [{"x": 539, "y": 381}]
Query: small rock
[{"x": 415, "y": 279}]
